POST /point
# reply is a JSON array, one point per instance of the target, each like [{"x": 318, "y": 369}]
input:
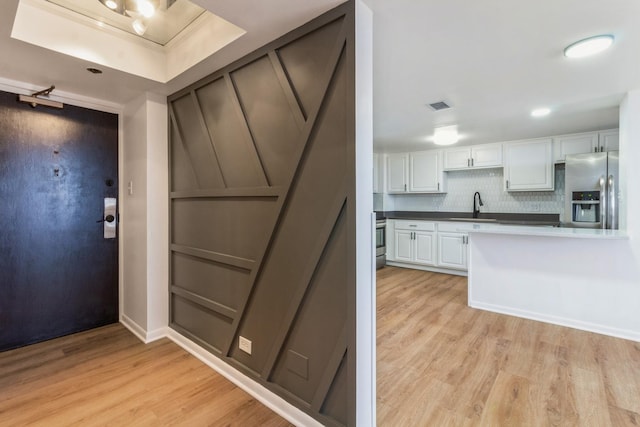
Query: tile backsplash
[{"x": 461, "y": 185}]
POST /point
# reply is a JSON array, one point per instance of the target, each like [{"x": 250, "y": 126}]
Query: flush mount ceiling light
[
  {"x": 446, "y": 135},
  {"x": 139, "y": 10},
  {"x": 540, "y": 112},
  {"x": 589, "y": 46}
]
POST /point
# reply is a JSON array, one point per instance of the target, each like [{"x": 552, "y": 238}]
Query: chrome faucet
[{"x": 477, "y": 202}]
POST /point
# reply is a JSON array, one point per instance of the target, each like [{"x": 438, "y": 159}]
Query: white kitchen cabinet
[
  {"x": 452, "y": 250},
  {"x": 575, "y": 144},
  {"x": 528, "y": 165},
  {"x": 425, "y": 172},
  {"x": 378, "y": 173},
  {"x": 475, "y": 157},
  {"x": 419, "y": 172},
  {"x": 414, "y": 242},
  {"x": 397, "y": 173},
  {"x": 609, "y": 140}
]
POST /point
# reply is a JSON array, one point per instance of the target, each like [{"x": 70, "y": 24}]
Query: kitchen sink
[{"x": 474, "y": 219}]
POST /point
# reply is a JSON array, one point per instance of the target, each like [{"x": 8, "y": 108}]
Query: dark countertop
[{"x": 500, "y": 218}]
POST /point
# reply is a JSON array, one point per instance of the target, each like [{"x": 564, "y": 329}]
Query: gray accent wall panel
[
  {"x": 224, "y": 284},
  {"x": 230, "y": 136},
  {"x": 304, "y": 69},
  {"x": 196, "y": 143},
  {"x": 233, "y": 227},
  {"x": 262, "y": 159},
  {"x": 270, "y": 116}
]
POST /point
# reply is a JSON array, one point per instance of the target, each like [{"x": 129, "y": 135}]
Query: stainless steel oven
[{"x": 381, "y": 243}]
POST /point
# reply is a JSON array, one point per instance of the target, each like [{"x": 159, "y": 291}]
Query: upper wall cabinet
[
  {"x": 477, "y": 156},
  {"x": 419, "y": 172},
  {"x": 528, "y": 165},
  {"x": 580, "y": 143},
  {"x": 609, "y": 140},
  {"x": 574, "y": 144},
  {"x": 397, "y": 173}
]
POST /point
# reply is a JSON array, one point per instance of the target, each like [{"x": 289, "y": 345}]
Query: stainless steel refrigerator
[{"x": 591, "y": 190}]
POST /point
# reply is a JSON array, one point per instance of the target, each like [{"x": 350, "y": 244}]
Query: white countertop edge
[{"x": 518, "y": 230}]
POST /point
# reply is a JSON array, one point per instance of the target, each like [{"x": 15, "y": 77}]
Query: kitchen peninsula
[{"x": 581, "y": 278}]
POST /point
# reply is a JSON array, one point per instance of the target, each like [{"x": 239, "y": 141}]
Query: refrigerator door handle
[
  {"x": 611, "y": 200},
  {"x": 603, "y": 203}
]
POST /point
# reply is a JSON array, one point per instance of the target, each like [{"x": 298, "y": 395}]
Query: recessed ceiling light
[
  {"x": 111, "y": 4},
  {"x": 94, "y": 70},
  {"x": 540, "y": 112},
  {"x": 446, "y": 135},
  {"x": 139, "y": 26},
  {"x": 589, "y": 46}
]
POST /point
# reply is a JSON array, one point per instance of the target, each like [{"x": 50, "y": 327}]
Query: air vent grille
[{"x": 440, "y": 105}]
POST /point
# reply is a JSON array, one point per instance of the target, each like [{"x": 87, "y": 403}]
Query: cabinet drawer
[{"x": 415, "y": 225}]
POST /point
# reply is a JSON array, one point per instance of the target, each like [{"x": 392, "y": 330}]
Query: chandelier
[{"x": 139, "y": 10}]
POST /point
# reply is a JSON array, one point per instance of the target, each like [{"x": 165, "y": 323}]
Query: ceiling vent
[{"x": 440, "y": 105}]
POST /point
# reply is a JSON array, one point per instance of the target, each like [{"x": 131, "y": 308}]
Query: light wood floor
[
  {"x": 441, "y": 363},
  {"x": 108, "y": 377}
]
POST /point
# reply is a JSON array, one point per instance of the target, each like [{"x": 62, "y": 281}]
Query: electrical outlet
[{"x": 244, "y": 345}]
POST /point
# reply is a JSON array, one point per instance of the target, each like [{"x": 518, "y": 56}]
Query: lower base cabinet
[
  {"x": 430, "y": 244},
  {"x": 414, "y": 242},
  {"x": 452, "y": 250}
]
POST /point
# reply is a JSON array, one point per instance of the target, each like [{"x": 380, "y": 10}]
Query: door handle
[{"x": 108, "y": 218}]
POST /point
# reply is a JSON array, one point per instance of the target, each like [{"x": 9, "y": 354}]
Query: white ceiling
[{"x": 492, "y": 60}]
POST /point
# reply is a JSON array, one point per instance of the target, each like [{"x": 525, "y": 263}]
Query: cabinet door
[
  {"x": 575, "y": 144},
  {"x": 397, "y": 173},
  {"x": 486, "y": 156},
  {"x": 452, "y": 250},
  {"x": 457, "y": 158},
  {"x": 609, "y": 140},
  {"x": 528, "y": 165},
  {"x": 425, "y": 244},
  {"x": 425, "y": 172},
  {"x": 403, "y": 245}
]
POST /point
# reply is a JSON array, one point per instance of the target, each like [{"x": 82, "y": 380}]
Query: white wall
[
  {"x": 133, "y": 212},
  {"x": 589, "y": 284},
  {"x": 144, "y": 219}
]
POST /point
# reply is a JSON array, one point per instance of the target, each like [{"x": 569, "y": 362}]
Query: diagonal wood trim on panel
[
  {"x": 324, "y": 235},
  {"x": 339, "y": 353},
  {"x": 246, "y": 264},
  {"x": 205, "y": 302},
  {"x": 174, "y": 123},
  {"x": 257, "y": 161},
  {"x": 285, "y": 83},
  {"x": 272, "y": 192},
  {"x": 325, "y": 83},
  {"x": 205, "y": 132}
]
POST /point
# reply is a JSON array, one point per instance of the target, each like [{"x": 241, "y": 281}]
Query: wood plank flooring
[
  {"x": 442, "y": 363},
  {"x": 108, "y": 377}
]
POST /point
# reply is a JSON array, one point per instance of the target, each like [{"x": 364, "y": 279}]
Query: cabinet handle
[
  {"x": 507, "y": 183},
  {"x": 438, "y": 186},
  {"x": 468, "y": 162},
  {"x": 472, "y": 161},
  {"x": 405, "y": 187}
]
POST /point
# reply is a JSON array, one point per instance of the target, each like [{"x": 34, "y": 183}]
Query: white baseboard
[
  {"x": 259, "y": 392},
  {"x": 135, "y": 329},
  {"x": 561, "y": 321}
]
